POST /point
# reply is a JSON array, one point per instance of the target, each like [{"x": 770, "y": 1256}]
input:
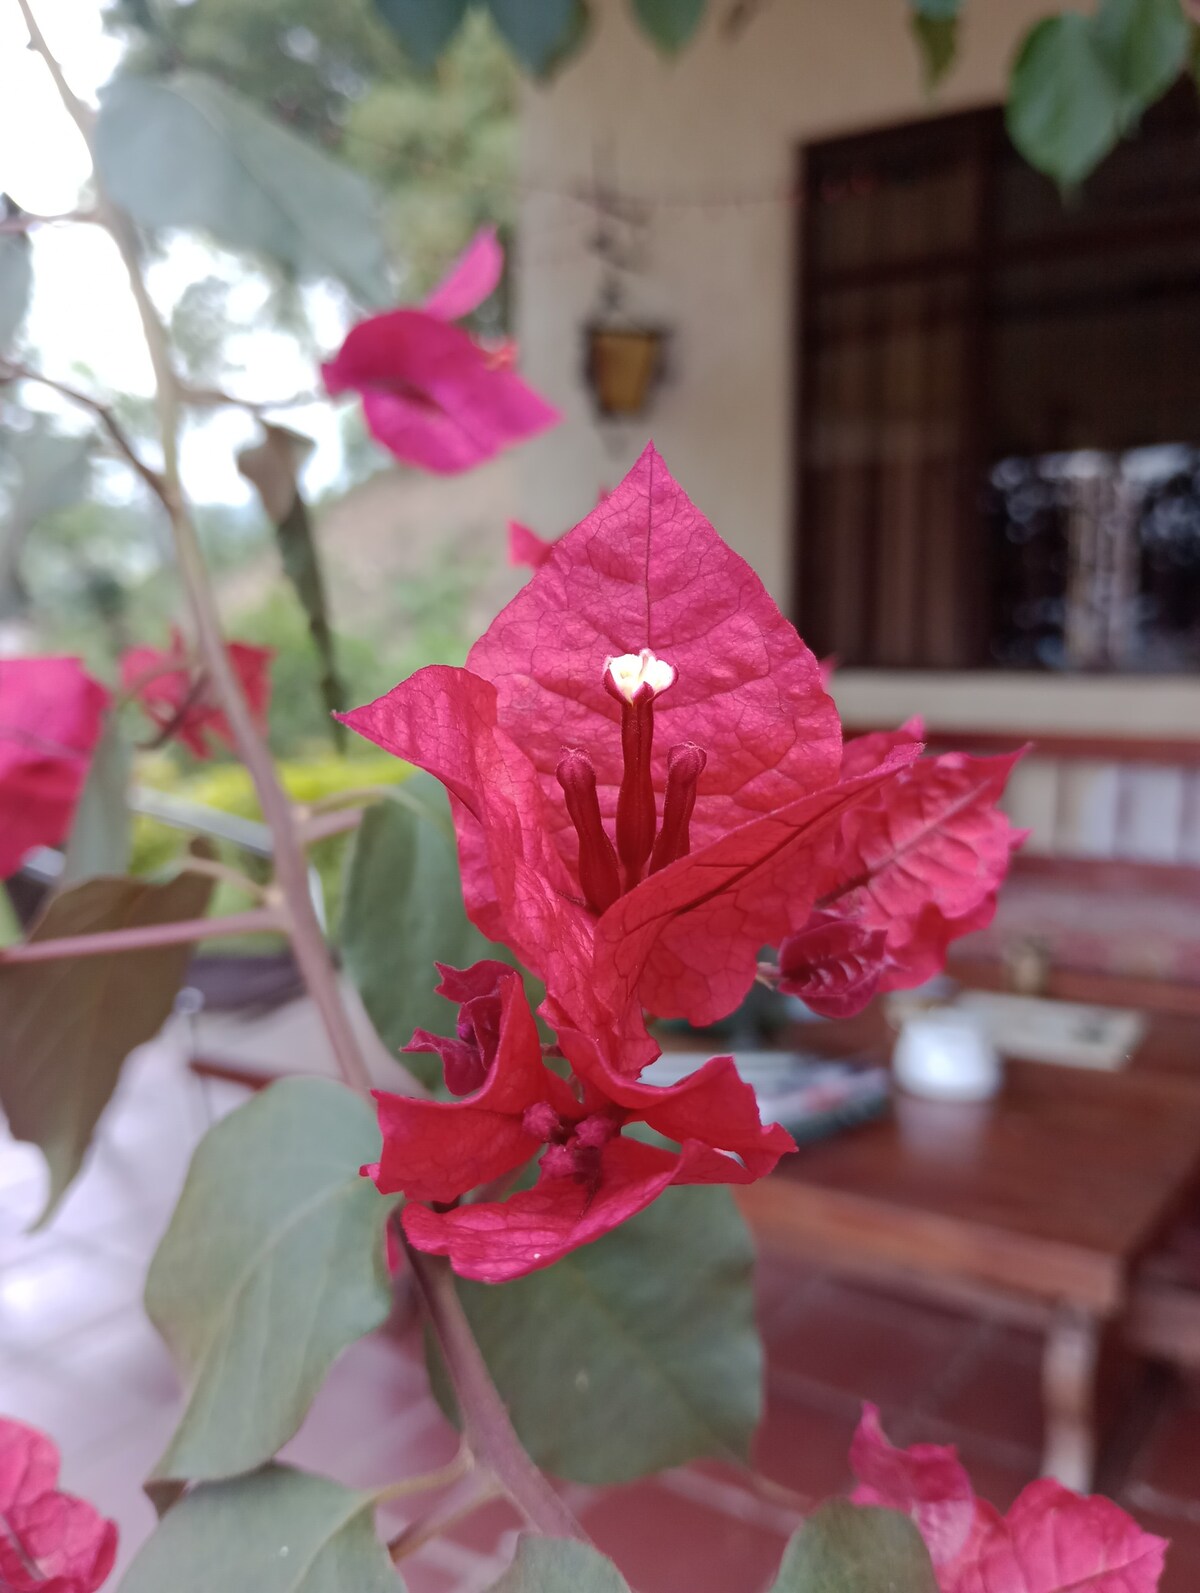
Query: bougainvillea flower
[
  {"x": 178, "y": 698},
  {"x": 641, "y": 755},
  {"x": 1051, "y": 1540},
  {"x": 591, "y": 1178},
  {"x": 833, "y": 964},
  {"x": 51, "y": 1542},
  {"x": 431, "y": 394},
  {"x": 51, "y": 715},
  {"x": 922, "y": 863}
]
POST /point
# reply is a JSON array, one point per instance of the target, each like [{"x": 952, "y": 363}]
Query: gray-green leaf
[
  {"x": 635, "y": 1353},
  {"x": 1146, "y": 45},
  {"x": 1064, "y": 105},
  {"x": 937, "y": 40},
  {"x": 276, "y": 1531},
  {"x": 67, "y": 1025},
  {"x": 402, "y": 911},
  {"x": 423, "y": 29},
  {"x": 845, "y": 1548},
  {"x": 185, "y": 151},
  {"x": 670, "y": 23},
  {"x": 273, "y": 1264},
  {"x": 99, "y": 842},
  {"x": 559, "y": 1565},
  {"x": 16, "y": 285},
  {"x": 273, "y": 467},
  {"x": 536, "y": 31}
]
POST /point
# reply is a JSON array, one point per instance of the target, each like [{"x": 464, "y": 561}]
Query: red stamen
[
  {"x": 636, "y": 816},
  {"x": 599, "y": 877},
  {"x": 685, "y": 764}
]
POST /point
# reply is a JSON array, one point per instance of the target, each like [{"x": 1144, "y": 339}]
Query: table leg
[{"x": 1069, "y": 1365}]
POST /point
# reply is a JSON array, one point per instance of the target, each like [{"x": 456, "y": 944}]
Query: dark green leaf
[
  {"x": 272, "y": 1265},
  {"x": 847, "y": 1548},
  {"x": 185, "y": 151},
  {"x": 16, "y": 285},
  {"x": 424, "y": 27},
  {"x": 273, "y": 466},
  {"x": 402, "y": 911},
  {"x": 937, "y": 40},
  {"x": 536, "y": 31},
  {"x": 100, "y": 838},
  {"x": 557, "y": 1565},
  {"x": 670, "y": 23},
  {"x": 1146, "y": 44},
  {"x": 1064, "y": 105},
  {"x": 66, "y": 1026},
  {"x": 635, "y": 1353},
  {"x": 276, "y": 1531},
  {"x": 937, "y": 10}
]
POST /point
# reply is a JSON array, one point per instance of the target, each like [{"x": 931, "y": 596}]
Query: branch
[
  {"x": 291, "y": 865},
  {"x": 146, "y": 937},
  {"x": 418, "y": 1533},
  {"x": 486, "y": 1422},
  {"x": 11, "y": 371}
]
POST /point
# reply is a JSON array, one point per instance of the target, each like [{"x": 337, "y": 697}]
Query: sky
[{"x": 82, "y": 318}]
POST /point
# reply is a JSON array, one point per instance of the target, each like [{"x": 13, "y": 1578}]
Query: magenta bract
[{"x": 51, "y": 715}]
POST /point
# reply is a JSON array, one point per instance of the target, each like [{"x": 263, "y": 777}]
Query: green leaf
[
  {"x": 185, "y": 151},
  {"x": 67, "y": 1025},
  {"x": 670, "y": 23},
  {"x": 1146, "y": 45},
  {"x": 937, "y": 40},
  {"x": 16, "y": 284},
  {"x": 101, "y": 831},
  {"x": 273, "y": 467},
  {"x": 53, "y": 471},
  {"x": 273, "y": 1264},
  {"x": 536, "y": 31},
  {"x": 276, "y": 1531},
  {"x": 558, "y": 1565},
  {"x": 1064, "y": 105},
  {"x": 424, "y": 27},
  {"x": 10, "y": 924},
  {"x": 845, "y": 1548},
  {"x": 937, "y": 10},
  {"x": 402, "y": 911},
  {"x": 635, "y": 1353}
]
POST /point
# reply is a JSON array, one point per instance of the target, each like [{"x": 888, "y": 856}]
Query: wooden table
[{"x": 1037, "y": 1204}]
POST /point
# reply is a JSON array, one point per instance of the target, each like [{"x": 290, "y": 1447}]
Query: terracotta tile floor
[{"x": 78, "y": 1359}]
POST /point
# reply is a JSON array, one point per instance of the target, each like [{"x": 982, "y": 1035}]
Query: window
[{"x": 999, "y": 419}]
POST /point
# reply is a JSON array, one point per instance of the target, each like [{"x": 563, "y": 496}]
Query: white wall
[{"x": 722, "y": 120}]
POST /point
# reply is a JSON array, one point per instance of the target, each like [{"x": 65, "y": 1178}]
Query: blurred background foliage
[{"x": 440, "y": 143}]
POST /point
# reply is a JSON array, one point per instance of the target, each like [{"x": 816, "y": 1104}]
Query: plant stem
[
  {"x": 489, "y": 1430},
  {"x": 418, "y": 1533},
  {"x": 461, "y": 1466},
  {"x": 147, "y": 936},
  {"x": 291, "y": 867}
]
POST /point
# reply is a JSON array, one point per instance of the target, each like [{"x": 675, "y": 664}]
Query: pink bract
[
  {"x": 431, "y": 394},
  {"x": 51, "y": 715},
  {"x": 471, "y": 278},
  {"x": 51, "y": 1542},
  {"x": 591, "y": 1178},
  {"x": 1051, "y": 1540},
  {"x": 526, "y": 547},
  {"x": 177, "y": 698}
]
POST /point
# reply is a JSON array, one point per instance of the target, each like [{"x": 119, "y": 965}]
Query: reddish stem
[
  {"x": 144, "y": 937},
  {"x": 488, "y": 1428}
]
